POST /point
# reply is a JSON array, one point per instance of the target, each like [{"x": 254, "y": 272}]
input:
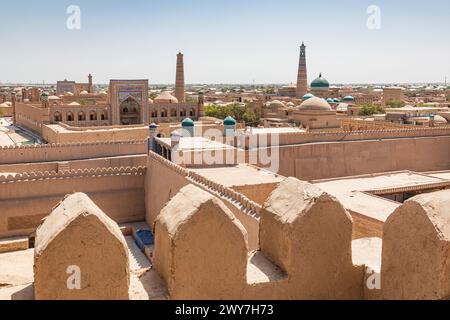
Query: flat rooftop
[
  {"x": 239, "y": 175},
  {"x": 196, "y": 144},
  {"x": 274, "y": 130},
  {"x": 354, "y": 192},
  {"x": 441, "y": 174},
  {"x": 11, "y": 136},
  {"x": 60, "y": 129}
]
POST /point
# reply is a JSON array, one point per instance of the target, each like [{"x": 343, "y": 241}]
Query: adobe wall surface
[
  {"x": 308, "y": 233},
  {"x": 197, "y": 235},
  {"x": 163, "y": 181},
  {"x": 366, "y": 227},
  {"x": 80, "y": 254},
  {"x": 6, "y": 111},
  {"x": 257, "y": 192},
  {"x": 71, "y": 151},
  {"x": 201, "y": 248},
  {"x": 416, "y": 249},
  {"x": 290, "y": 138},
  {"x": 25, "y": 199},
  {"x": 66, "y": 134},
  {"x": 339, "y": 159},
  {"x": 111, "y": 162},
  {"x": 31, "y": 117}
]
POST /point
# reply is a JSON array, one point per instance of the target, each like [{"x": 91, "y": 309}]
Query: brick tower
[
  {"x": 302, "y": 77},
  {"x": 179, "y": 83}
]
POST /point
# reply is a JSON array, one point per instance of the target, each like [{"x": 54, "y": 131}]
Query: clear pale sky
[{"x": 225, "y": 41}]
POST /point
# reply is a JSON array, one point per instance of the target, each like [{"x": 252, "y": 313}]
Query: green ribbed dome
[
  {"x": 187, "y": 122},
  {"x": 229, "y": 121},
  {"x": 44, "y": 96},
  {"x": 320, "y": 82},
  {"x": 307, "y": 96},
  {"x": 336, "y": 100}
]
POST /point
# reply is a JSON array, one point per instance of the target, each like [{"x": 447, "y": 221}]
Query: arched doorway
[{"x": 129, "y": 112}]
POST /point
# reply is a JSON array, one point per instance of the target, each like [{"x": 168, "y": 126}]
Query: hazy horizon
[{"x": 226, "y": 42}]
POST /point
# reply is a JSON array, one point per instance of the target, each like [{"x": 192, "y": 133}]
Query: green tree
[
  {"x": 395, "y": 104},
  {"x": 239, "y": 112},
  {"x": 270, "y": 90},
  {"x": 370, "y": 109},
  {"x": 189, "y": 100}
]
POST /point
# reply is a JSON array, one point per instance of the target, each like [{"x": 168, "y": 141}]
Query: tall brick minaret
[
  {"x": 302, "y": 77},
  {"x": 179, "y": 83},
  {"x": 90, "y": 83}
]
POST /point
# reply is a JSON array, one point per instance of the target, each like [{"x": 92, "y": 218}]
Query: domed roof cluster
[
  {"x": 166, "y": 97},
  {"x": 315, "y": 104},
  {"x": 320, "y": 83},
  {"x": 276, "y": 103}
]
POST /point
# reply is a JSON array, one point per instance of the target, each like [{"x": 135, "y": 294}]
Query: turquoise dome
[
  {"x": 229, "y": 121},
  {"x": 336, "y": 100},
  {"x": 320, "y": 82},
  {"x": 187, "y": 122},
  {"x": 44, "y": 96},
  {"x": 307, "y": 96},
  {"x": 329, "y": 100},
  {"x": 349, "y": 98}
]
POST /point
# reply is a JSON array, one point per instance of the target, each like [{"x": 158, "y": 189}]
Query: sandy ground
[{"x": 16, "y": 275}]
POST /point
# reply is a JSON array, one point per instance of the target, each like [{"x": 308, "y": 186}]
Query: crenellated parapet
[
  {"x": 74, "y": 144},
  {"x": 71, "y": 151},
  {"x": 305, "y": 239},
  {"x": 173, "y": 166},
  {"x": 68, "y": 174},
  {"x": 248, "y": 206},
  {"x": 288, "y": 138}
]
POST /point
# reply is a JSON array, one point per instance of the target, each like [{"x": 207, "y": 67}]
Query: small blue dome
[
  {"x": 229, "y": 121},
  {"x": 329, "y": 100},
  {"x": 349, "y": 98},
  {"x": 307, "y": 96},
  {"x": 336, "y": 100},
  {"x": 153, "y": 126},
  {"x": 187, "y": 122}
]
